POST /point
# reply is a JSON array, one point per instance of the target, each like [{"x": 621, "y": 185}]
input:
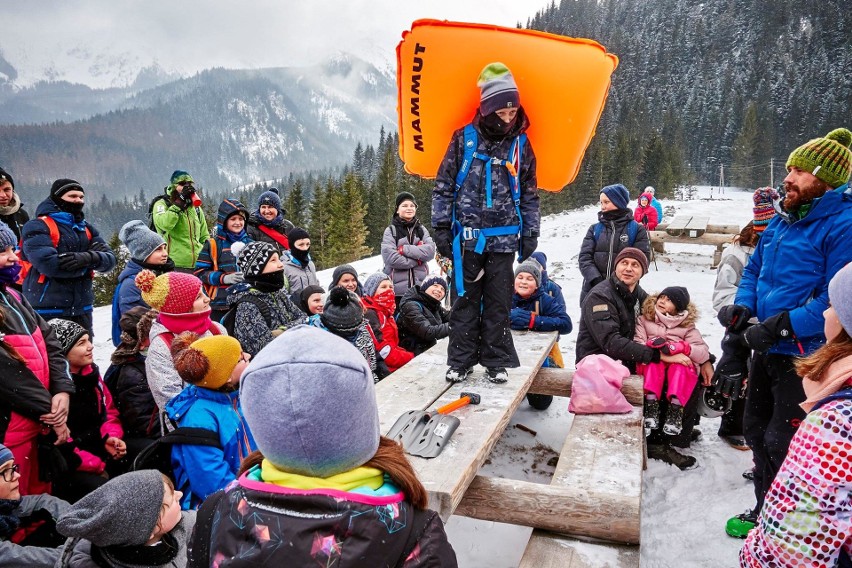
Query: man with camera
[
  {"x": 785, "y": 286},
  {"x": 178, "y": 217}
]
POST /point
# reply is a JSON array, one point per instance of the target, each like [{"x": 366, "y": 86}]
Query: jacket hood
[
  {"x": 649, "y": 312},
  {"x": 227, "y": 208},
  {"x": 47, "y": 207},
  {"x": 825, "y": 206},
  {"x": 415, "y": 294},
  {"x": 131, "y": 269},
  {"x": 517, "y": 298},
  {"x": 177, "y": 407}
]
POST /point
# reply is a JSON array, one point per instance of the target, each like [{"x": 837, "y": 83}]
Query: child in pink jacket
[{"x": 667, "y": 322}]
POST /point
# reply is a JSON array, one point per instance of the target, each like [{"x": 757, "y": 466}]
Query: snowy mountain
[
  {"x": 683, "y": 513},
  {"x": 227, "y": 127}
]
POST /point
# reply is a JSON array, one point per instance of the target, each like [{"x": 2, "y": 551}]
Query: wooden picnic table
[{"x": 420, "y": 385}]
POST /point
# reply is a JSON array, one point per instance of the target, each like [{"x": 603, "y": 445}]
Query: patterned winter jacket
[
  {"x": 251, "y": 328},
  {"x": 422, "y": 321},
  {"x": 406, "y": 257},
  {"x": 27, "y": 389},
  {"x": 597, "y": 257},
  {"x": 679, "y": 327},
  {"x": 52, "y": 291},
  {"x": 792, "y": 265},
  {"x": 261, "y": 524},
  {"x": 472, "y": 209},
  {"x": 184, "y": 231},
  {"x": 211, "y": 271},
  {"x": 806, "y": 518},
  {"x": 203, "y": 470}
]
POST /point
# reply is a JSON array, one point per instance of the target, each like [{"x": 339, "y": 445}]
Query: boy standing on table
[{"x": 485, "y": 208}]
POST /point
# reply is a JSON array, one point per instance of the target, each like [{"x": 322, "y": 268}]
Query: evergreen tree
[
  {"x": 104, "y": 285},
  {"x": 747, "y": 152},
  {"x": 320, "y": 216},
  {"x": 297, "y": 211},
  {"x": 346, "y": 231}
]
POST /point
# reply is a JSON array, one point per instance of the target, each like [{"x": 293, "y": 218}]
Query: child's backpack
[
  {"x": 230, "y": 316},
  {"x": 632, "y": 231},
  {"x": 159, "y": 454}
]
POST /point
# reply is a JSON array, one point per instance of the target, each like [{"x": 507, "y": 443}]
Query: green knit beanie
[{"x": 829, "y": 158}]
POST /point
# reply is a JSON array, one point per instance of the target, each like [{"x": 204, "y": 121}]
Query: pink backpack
[{"x": 597, "y": 387}]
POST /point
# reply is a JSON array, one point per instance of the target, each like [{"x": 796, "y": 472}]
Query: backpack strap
[
  {"x": 632, "y": 231},
  {"x": 191, "y": 437},
  {"x": 275, "y": 236},
  {"x": 260, "y": 305}
]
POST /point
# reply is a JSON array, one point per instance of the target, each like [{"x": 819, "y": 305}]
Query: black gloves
[
  {"x": 732, "y": 370},
  {"x": 735, "y": 317},
  {"x": 99, "y": 246},
  {"x": 186, "y": 193},
  {"x": 764, "y": 335},
  {"x": 528, "y": 246},
  {"x": 74, "y": 261},
  {"x": 444, "y": 241}
]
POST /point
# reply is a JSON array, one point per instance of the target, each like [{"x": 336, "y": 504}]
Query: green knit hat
[
  {"x": 829, "y": 158},
  {"x": 179, "y": 176}
]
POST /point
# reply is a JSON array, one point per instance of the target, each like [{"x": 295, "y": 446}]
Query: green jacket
[{"x": 184, "y": 231}]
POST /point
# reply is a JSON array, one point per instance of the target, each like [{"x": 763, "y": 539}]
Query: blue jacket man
[
  {"x": 59, "y": 283},
  {"x": 486, "y": 225},
  {"x": 785, "y": 285}
]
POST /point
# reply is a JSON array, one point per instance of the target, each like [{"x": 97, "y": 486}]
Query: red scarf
[
  {"x": 384, "y": 302},
  {"x": 275, "y": 236},
  {"x": 196, "y": 322}
]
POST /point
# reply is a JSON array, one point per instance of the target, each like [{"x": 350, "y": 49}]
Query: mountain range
[{"x": 226, "y": 127}]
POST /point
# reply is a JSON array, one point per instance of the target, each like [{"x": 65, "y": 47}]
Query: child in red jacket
[
  {"x": 380, "y": 302},
  {"x": 96, "y": 432}
]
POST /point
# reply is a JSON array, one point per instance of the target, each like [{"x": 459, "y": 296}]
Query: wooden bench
[
  {"x": 693, "y": 230},
  {"x": 420, "y": 385}
]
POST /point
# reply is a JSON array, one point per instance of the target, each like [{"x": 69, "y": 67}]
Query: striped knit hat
[
  {"x": 171, "y": 293},
  {"x": 829, "y": 158},
  {"x": 764, "y": 207},
  {"x": 497, "y": 89}
]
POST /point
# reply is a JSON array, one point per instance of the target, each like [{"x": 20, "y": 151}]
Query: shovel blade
[
  {"x": 434, "y": 435},
  {"x": 408, "y": 427}
]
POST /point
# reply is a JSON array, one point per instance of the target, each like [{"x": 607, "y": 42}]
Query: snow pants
[
  {"x": 772, "y": 415},
  {"x": 479, "y": 321},
  {"x": 681, "y": 380}
]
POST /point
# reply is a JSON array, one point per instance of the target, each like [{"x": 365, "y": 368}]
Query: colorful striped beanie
[
  {"x": 828, "y": 159},
  {"x": 764, "y": 207}
]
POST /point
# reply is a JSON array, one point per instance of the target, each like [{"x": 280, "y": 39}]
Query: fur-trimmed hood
[{"x": 685, "y": 318}]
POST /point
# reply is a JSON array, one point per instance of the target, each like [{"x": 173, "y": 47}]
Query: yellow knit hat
[{"x": 207, "y": 362}]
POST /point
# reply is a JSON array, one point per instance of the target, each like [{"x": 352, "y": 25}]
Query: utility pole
[
  {"x": 771, "y": 172},
  {"x": 721, "y": 177}
]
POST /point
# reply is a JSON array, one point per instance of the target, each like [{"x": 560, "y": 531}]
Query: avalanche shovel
[{"x": 423, "y": 433}]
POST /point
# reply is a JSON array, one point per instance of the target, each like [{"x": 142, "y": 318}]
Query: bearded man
[{"x": 785, "y": 285}]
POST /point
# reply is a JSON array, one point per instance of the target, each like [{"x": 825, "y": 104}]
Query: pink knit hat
[{"x": 170, "y": 293}]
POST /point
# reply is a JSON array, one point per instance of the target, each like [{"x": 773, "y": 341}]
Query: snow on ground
[{"x": 683, "y": 513}]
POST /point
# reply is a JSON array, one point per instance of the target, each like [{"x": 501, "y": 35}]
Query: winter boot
[
  {"x": 497, "y": 374},
  {"x": 457, "y": 374},
  {"x": 749, "y": 474},
  {"x": 540, "y": 401},
  {"x": 736, "y": 442},
  {"x": 668, "y": 454},
  {"x": 652, "y": 413},
  {"x": 739, "y": 526},
  {"x": 674, "y": 420}
]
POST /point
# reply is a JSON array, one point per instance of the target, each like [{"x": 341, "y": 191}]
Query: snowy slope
[{"x": 683, "y": 513}]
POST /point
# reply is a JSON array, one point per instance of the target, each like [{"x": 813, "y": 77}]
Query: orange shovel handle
[{"x": 456, "y": 404}]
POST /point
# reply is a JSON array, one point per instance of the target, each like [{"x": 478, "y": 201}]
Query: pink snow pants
[{"x": 681, "y": 380}]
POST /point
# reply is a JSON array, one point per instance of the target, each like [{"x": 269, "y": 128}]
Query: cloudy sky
[{"x": 108, "y": 40}]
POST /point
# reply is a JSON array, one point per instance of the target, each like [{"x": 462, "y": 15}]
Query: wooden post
[{"x": 557, "y": 382}]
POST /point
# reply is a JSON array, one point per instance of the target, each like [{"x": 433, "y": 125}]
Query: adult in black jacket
[
  {"x": 422, "y": 320},
  {"x": 11, "y": 211},
  {"x": 597, "y": 255}
]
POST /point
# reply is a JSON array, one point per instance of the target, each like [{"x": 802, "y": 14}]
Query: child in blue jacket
[{"x": 212, "y": 367}]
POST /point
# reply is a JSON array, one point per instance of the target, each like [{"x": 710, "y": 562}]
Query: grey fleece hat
[
  {"x": 310, "y": 403},
  {"x": 122, "y": 512},
  {"x": 371, "y": 284},
  {"x": 530, "y": 267},
  {"x": 140, "y": 240}
]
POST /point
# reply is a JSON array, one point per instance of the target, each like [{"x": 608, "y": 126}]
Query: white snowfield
[{"x": 683, "y": 513}]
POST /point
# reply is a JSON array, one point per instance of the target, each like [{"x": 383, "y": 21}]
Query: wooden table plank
[
  {"x": 547, "y": 550},
  {"x": 676, "y": 226},
  {"x": 448, "y": 476},
  {"x": 697, "y": 226}
]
